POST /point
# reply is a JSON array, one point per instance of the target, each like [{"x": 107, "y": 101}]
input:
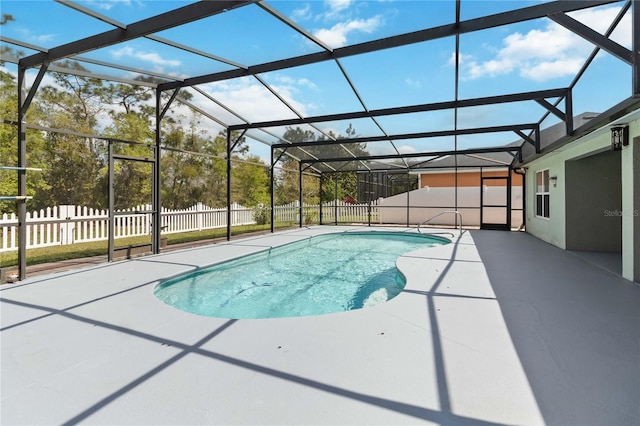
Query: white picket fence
[{"x": 62, "y": 225}]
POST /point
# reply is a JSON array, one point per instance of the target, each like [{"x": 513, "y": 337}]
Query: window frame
[{"x": 542, "y": 194}]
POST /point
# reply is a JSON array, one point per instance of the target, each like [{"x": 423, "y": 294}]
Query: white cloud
[
  {"x": 151, "y": 57},
  {"x": 548, "y": 53},
  {"x": 600, "y": 19},
  {"x": 44, "y": 38},
  {"x": 107, "y": 4},
  {"x": 294, "y": 82},
  {"x": 412, "y": 83},
  {"x": 37, "y": 39},
  {"x": 407, "y": 149},
  {"x": 336, "y": 7},
  {"x": 336, "y": 36},
  {"x": 110, "y": 4},
  {"x": 552, "y": 69},
  {"x": 302, "y": 14},
  {"x": 253, "y": 101}
]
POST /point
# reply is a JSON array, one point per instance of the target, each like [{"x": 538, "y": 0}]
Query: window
[{"x": 542, "y": 193}]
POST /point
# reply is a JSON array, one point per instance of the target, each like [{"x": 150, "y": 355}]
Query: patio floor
[{"x": 496, "y": 328}]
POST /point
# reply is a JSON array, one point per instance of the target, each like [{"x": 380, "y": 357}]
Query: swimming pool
[{"x": 319, "y": 275}]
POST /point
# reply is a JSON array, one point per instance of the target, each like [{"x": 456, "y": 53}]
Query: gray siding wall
[{"x": 594, "y": 203}]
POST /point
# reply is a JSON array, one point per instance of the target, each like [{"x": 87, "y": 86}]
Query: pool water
[{"x": 322, "y": 274}]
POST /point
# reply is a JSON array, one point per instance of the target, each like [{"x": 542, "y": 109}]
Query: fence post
[
  {"x": 234, "y": 214},
  {"x": 199, "y": 209},
  {"x": 149, "y": 219},
  {"x": 67, "y": 213}
]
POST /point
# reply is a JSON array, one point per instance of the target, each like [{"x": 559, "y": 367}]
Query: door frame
[{"x": 496, "y": 226}]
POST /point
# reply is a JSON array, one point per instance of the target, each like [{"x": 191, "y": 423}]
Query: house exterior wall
[
  {"x": 633, "y": 245},
  {"x": 553, "y": 230},
  {"x": 631, "y": 206}
]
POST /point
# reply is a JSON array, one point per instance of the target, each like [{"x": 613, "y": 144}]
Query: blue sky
[{"x": 516, "y": 58}]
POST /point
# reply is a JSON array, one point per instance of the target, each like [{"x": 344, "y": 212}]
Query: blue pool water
[{"x": 319, "y": 275}]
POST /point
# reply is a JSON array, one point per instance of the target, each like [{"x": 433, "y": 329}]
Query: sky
[{"x": 516, "y": 58}]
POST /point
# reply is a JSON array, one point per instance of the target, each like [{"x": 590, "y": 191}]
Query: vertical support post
[
  {"x": 387, "y": 185},
  {"x": 635, "y": 36},
  {"x": 455, "y": 201},
  {"x": 229, "y": 150},
  {"x": 481, "y": 198},
  {"x": 369, "y": 191},
  {"x": 509, "y": 199},
  {"x": 272, "y": 190},
  {"x": 22, "y": 177},
  {"x": 156, "y": 220},
  {"x": 321, "y": 197},
  {"x": 408, "y": 198},
  {"x": 112, "y": 218},
  {"x": 568, "y": 107},
  {"x": 524, "y": 199},
  {"x": 455, "y": 116},
  {"x": 300, "y": 207},
  {"x": 24, "y": 100},
  {"x": 335, "y": 202}
]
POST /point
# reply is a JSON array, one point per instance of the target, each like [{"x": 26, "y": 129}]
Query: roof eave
[{"x": 618, "y": 111}]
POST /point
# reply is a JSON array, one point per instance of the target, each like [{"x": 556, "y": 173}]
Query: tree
[
  {"x": 347, "y": 181},
  {"x": 4, "y": 49},
  {"x": 6, "y": 17},
  {"x": 132, "y": 179},
  {"x": 215, "y": 171},
  {"x": 75, "y": 102},
  {"x": 9, "y": 147},
  {"x": 9, "y": 139},
  {"x": 287, "y": 188},
  {"x": 183, "y": 172},
  {"x": 250, "y": 181},
  {"x": 287, "y": 183}
]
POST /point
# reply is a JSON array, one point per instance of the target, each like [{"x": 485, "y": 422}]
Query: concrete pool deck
[{"x": 495, "y": 328}]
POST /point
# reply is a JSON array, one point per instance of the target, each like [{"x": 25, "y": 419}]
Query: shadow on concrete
[
  {"x": 575, "y": 328},
  {"x": 442, "y": 417}
]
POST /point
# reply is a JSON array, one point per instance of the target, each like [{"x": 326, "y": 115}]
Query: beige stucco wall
[{"x": 428, "y": 202}]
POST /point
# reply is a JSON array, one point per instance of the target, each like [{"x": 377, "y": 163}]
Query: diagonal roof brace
[
  {"x": 526, "y": 137},
  {"x": 174, "y": 18},
  {"x": 237, "y": 141},
  {"x": 604, "y": 43},
  {"x": 34, "y": 88},
  {"x": 552, "y": 109},
  {"x": 282, "y": 152},
  {"x": 162, "y": 113}
]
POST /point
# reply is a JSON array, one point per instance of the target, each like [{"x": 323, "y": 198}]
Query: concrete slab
[
  {"x": 495, "y": 328},
  {"x": 609, "y": 261}
]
